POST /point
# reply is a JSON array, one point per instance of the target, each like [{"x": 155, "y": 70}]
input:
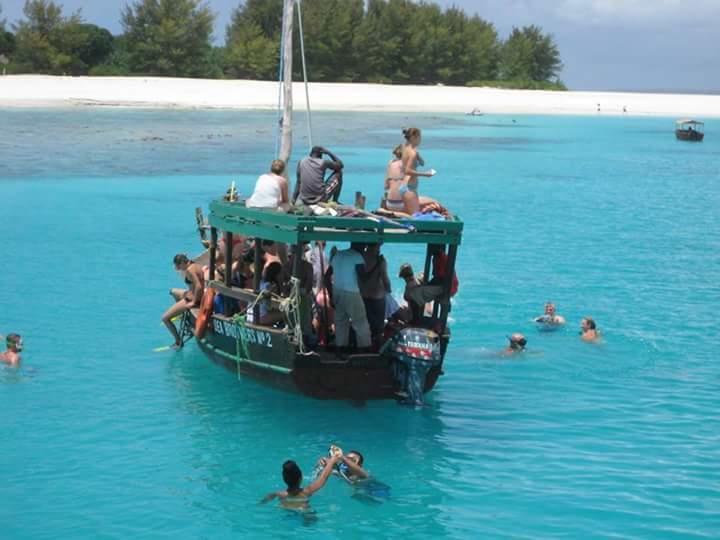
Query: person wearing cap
[
  {"x": 11, "y": 356},
  {"x": 417, "y": 293},
  {"x": 588, "y": 330},
  {"x": 311, "y": 186},
  {"x": 517, "y": 343}
]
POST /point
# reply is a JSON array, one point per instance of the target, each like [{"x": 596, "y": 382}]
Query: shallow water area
[{"x": 608, "y": 217}]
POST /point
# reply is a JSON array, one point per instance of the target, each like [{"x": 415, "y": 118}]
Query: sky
[{"x": 642, "y": 45}]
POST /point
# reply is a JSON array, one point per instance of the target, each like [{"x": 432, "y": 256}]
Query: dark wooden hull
[
  {"x": 265, "y": 354},
  {"x": 689, "y": 135}
]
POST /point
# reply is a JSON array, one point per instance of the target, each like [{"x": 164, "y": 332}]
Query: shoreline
[{"x": 44, "y": 91}]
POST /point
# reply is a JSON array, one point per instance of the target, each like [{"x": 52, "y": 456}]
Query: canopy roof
[
  {"x": 689, "y": 122},
  {"x": 288, "y": 228}
]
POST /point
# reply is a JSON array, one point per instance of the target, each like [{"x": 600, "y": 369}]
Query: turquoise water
[{"x": 609, "y": 217}]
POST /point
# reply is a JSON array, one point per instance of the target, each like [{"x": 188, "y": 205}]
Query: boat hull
[
  {"x": 266, "y": 355},
  {"x": 689, "y": 135}
]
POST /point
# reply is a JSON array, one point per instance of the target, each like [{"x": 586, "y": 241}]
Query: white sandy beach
[{"x": 156, "y": 92}]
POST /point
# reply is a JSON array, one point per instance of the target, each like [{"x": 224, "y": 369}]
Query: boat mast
[{"x": 286, "y": 125}]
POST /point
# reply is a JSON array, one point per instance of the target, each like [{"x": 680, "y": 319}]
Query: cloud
[{"x": 638, "y": 11}]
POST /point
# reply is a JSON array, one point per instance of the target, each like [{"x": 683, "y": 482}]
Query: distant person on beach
[
  {"x": 517, "y": 343},
  {"x": 14, "y": 346},
  {"x": 311, "y": 186},
  {"x": 408, "y": 189},
  {"x": 550, "y": 317},
  {"x": 295, "y": 496},
  {"x": 185, "y": 299},
  {"x": 271, "y": 189},
  {"x": 588, "y": 330}
]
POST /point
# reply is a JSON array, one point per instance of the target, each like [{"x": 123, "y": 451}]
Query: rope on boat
[
  {"x": 290, "y": 306},
  {"x": 305, "y": 77}
]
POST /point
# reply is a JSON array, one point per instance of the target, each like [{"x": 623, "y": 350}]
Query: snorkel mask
[{"x": 12, "y": 344}]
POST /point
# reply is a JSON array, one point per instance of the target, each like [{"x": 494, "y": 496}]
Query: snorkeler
[
  {"x": 14, "y": 345},
  {"x": 550, "y": 317},
  {"x": 588, "y": 330},
  {"x": 296, "y": 496},
  {"x": 517, "y": 344}
]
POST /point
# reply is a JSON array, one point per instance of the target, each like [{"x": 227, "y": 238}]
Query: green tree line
[{"x": 388, "y": 41}]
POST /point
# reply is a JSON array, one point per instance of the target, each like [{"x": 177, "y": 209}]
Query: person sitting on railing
[
  {"x": 418, "y": 294},
  {"x": 193, "y": 275},
  {"x": 311, "y": 186},
  {"x": 271, "y": 189},
  {"x": 271, "y": 284}
]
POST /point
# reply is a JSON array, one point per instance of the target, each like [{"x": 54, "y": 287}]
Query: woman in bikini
[
  {"x": 406, "y": 189},
  {"x": 394, "y": 176},
  {"x": 193, "y": 275}
]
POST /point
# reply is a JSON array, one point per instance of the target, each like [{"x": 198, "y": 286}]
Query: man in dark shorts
[{"x": 311, "y": 186}]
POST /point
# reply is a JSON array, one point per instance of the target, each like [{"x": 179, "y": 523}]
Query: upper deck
[{"x": 292, "y": 228}]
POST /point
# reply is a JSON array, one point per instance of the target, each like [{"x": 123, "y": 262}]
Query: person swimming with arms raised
[
  {"x": 11, "y": 356},
  {"x": 550, "y": 318},
  {"x": 295, "y": 497},
  {"x": 589, "y": 331}
]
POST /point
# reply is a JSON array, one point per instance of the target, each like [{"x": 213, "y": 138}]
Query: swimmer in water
[
  {"x": 588, "y": 330},
  {"x": 296, "y": 497},
  {"x": 349, "y": 466},
  {"x": 550, "y": 317},
  {"x": 517, "y": 345},
  {"x": 14, "y": 345}
]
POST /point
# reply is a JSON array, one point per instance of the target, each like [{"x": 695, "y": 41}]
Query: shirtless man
[
  {"x": 193, "y": 275},
  {"x": 14, "y": 345},
  {"x": 588, "y": 330},
  {"x": 295, "y": 496}
]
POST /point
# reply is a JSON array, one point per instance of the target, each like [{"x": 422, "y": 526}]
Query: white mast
[{"x": 286, "y": 125}]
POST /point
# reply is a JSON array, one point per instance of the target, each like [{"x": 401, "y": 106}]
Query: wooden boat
[
  {"x": 410, "y": 358},
  {"x": 689, "y": 130},
  {"x": 408, "y": 362}
]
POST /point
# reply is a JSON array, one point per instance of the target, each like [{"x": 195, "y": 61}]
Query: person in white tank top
[{"x": 271, "y": 189}]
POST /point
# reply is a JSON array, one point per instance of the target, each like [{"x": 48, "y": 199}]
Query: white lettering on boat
[
  {"x": 248, "y": 335},
  {"x": 418, "y": 345}
]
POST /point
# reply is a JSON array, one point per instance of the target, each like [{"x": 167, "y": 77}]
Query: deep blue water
[{"x": 609, "y": 217}]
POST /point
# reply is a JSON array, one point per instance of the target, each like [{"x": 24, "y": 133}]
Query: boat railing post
[
  {"x": 257, "y": 275},
  {"x": 213, "y": 251},
  {"x": 426, "y": 269},
  {"x": 447, "y": 287},
  {"x": 228, "y": 268}
]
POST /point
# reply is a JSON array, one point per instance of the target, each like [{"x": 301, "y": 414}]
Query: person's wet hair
[
  {"x": 277, "y": 166},
  {"x": 361, "y": 459},
  {"x": 180, "y": 258},
  {"x": 292, "y": 475},
  {"x": 409, "y": 133},
  {"x": 358, "y": 246},
  {"x": 406, "y": 271},
  {"x": 590, "y": 323},
  {"x": 273, "y": 271},
  {"x": 12, "y": 340},
  {"x": 517, "y": 342}
]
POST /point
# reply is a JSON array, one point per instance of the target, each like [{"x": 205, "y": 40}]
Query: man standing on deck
[
  {"x": 311, "y": 186},
  {"x": 349, "y": 305}
]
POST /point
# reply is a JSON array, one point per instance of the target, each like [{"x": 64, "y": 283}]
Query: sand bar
[{"x": 157, "y": 92}]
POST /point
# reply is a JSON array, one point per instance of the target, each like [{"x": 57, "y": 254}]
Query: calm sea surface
[{"x": 609, "y": 217}]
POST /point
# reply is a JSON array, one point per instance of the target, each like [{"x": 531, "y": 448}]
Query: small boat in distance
[
  {"x": 689, "y": 130},
  {"x": 476, "y": 112}
]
